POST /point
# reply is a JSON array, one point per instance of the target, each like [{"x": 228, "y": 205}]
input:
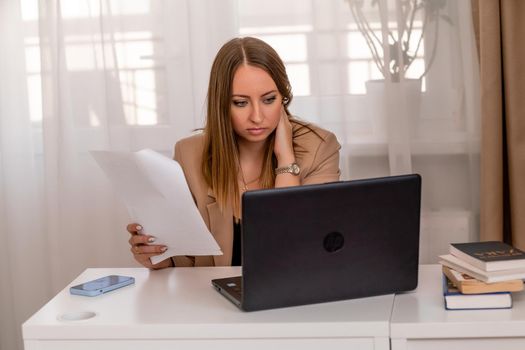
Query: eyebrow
[{"x": 246, "y": 96}]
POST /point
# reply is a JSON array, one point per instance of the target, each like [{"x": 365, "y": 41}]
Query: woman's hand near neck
[
  {"x": 283, "y": 147},
  {"x": 284, "y": 151}
]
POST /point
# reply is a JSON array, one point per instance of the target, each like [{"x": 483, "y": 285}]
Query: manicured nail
[
  {"x": 163, "y": 249},
  {"x": 151, "y": 239},
  {"x": 138, "y": 227}
]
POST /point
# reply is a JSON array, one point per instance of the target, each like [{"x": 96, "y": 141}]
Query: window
[{"x": 122, "y": 69}]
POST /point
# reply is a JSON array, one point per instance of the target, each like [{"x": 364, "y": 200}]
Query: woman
[{"x": 250, "y": 142}]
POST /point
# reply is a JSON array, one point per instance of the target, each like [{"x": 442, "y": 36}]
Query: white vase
[{"x": 393, "y": 108}]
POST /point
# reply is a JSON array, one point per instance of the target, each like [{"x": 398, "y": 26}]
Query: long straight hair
[{"x": 220, "y": 161}]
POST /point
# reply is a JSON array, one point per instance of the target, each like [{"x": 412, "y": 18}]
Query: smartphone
[{"x": 101, "y": 285}]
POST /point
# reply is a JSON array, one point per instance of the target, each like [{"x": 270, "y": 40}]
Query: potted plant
[{"x": 394, "y": 101}]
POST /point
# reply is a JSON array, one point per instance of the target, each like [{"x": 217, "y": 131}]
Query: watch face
[{"x": 295, "y": 169}]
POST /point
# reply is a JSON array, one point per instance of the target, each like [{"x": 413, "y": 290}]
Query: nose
[{"x": 256, "y": 115}]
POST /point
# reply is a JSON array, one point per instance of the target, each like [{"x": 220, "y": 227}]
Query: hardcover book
[
  {"x": 469, "y": 285},
  {"x": 454, "y": 300},
  {"x": 489, "y": 256},
  {"x": 471, "y": 270}
]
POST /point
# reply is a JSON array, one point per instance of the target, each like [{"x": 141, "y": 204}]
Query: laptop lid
[{"x": 327, "y": 242}]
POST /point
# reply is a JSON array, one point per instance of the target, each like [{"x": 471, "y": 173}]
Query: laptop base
[{"x": 230, "y": 287}]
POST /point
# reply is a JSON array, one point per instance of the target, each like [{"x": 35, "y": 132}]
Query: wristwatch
[{"x": 292, "y": 169}]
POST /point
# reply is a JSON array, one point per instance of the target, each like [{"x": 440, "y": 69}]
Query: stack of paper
[{"x": 155, "y": 191}]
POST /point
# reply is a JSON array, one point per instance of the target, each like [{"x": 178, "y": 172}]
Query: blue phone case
[{"x": 101, "y": 285}]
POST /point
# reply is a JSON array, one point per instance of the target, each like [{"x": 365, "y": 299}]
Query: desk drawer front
[
  {"x": 460, "y": 344},
  {"x": 215, "y": 344}
]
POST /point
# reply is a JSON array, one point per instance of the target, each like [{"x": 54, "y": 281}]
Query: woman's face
[{"x": 256, "y": 104}]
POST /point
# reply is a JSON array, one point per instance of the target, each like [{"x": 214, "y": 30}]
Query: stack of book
[{"x": 482, "y": 275}]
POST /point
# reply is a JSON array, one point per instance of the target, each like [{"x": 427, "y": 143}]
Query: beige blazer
[{"x": 319, "y": 163}]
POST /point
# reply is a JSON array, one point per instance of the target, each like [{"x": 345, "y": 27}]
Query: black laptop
[{"x": 319, "y": 243}]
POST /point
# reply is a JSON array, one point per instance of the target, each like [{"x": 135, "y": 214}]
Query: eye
[
  {"x": 269, "y": 100},
  {"x": 240, "y": 103}
]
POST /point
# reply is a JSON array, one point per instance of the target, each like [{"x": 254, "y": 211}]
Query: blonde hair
[{"x": 220, "y": 161}]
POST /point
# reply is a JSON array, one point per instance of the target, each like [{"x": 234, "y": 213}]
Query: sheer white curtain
[{"x": 78, "y": 75}]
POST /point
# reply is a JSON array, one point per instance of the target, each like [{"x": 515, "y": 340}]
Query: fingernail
[
  {"x": 138, "y": 227},
  {"x": 151, "y": 239},
  {"x": 163, "y": 249}
]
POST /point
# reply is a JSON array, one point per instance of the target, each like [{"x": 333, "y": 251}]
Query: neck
[
  {"x": 251, "y": 157},
  {"x": 250, "y": 152}
]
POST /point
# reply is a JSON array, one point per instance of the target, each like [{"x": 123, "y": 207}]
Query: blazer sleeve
[{"x": 325, "y": 165}]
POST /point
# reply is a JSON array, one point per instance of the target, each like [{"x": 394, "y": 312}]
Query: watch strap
[{"x": 291, "y": 169}]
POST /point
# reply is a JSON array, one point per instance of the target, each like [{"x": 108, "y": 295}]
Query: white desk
[
  {"x": 420, "y": 321},
  {"x": 175, "y": 308}
]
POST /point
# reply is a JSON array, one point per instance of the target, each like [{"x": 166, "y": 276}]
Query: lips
[{"x": 256, "y": 131}]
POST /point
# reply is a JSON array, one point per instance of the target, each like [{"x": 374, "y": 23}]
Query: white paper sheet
[{"x": 155, "y": 191}]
